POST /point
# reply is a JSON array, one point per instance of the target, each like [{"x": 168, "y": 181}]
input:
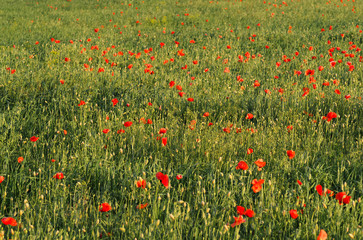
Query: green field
[{"x": 217, "y": 105}]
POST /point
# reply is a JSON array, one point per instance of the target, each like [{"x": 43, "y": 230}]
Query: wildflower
[{"x": 104, "y": 207}]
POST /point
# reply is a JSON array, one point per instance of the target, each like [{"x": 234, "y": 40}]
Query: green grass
[{"x": 100, "y": 167}]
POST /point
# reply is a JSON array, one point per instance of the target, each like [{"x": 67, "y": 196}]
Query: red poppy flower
[
  {"x": 9, "y": 221},
  {"x": 1, "y": 179},
  {"x": 181, "y": 94},
  {"x": 105, "y": 131},
  {"x": 241, "y": 210},
  {"x": 164, "y": 179},
  {"x": 141, "y": 183},
  {"x": 178, "y": 177},
  {"x": 190, "y": 99},
  {"x": 227, "y": 130},
  {"x": 331, "y": 115},
  {"x": 104, "y": 207},
  {"x": 257, "y": 185},
  {"x": 164, "y": 141},
  {"x": 293, "y": 214},
  {"x": 249, "y": 116},
  {"x": 58, "y": 176},
  {"x": 250, "y": 213},
  {"x": 206, "y": 114},
  {"x": 242, "y": 165},
  {"x": 162, "y": 131},
  {"x": 128, "y": 124},
  {"x": 120, "y": 131},
  {"x": 67, "y": 59},
  {"x": 319, "y": 189},
  {"x": 342, "y": 197},
  {"x": 20, "y": 159},
  {"x": 322, "y": 235},
  {"x": 347, "y": 97},
  {"x": 249, "y": 151},
  {"x": 290, "y": 154},
  {"x": 260, "y": 163},
  {"x": 142, "y": 206},
  {"x": 34, "y": 139},
  {"x": 61, "y": 81},
  {"x": 171, "y": 84},
  {"x": 299, "y": 182},
  {"x": 289, "y": 128},
  {"x": 238, "y": 220},
  {"x": 81, "y": 103},
  {"x": 114, "y": 101}
]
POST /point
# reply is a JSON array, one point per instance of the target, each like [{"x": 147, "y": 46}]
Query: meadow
[{"x": 230, "y": 119}]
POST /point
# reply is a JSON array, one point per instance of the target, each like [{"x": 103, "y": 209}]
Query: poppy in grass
[
  {"x": 142, "y": 206},
  {"x": 162, "y": 131},
  {"x": 319, "y": 189},
  {"x": 164, "y": 141},
  {"x": 104, "y": 207},
  {"x": 120, "y": 131},
  {"x": 241, "y": 210},
  {"x": 249, "y": 151},
  {"x": 293, "y": 214},
  {"x": 81, "y": 103},
  {"x": 242, "y": 165},
  {"x": 114, "y": 101},
  {"x": 20, "y": 159},
  {"x": 178, "y": 177},
  {"x": 342, "y": 197},
  {"x": 1, "y": 179},
  {"x": 227, "y": 130},
  {"x": 290, "y": 154},
  {"x": 141, "y": 183},
  {"x": 238, "y": 220},
  {"x": 331, "y": 115},
  {"x": 128, "y": 124},
  {"x": 105, "y": 131},
  {"x": 9, "y": 221},
  {"x": 206, "y": 114},
  {"x": 299, "y": 182},
  {"x": 322, "y": 235},
  {"x": 164, "y": 179},
  {"x": 257, "y": 185},
  {"x": 34, "y": 139},
  {"x": 260, "y": 163},
  {"x": 190, "y": 99},
  {"x": 250, "y": 213},
  {"x": 171, "y": 84},
  {"x": 289, "y": 128},
  {"x": 249, "y": 116},
  {"x": 61, "y": 81},
  {"x": 58, "y": 176}
]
